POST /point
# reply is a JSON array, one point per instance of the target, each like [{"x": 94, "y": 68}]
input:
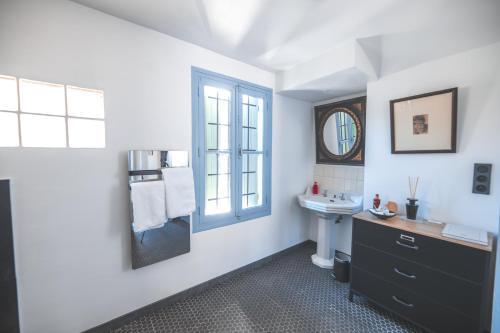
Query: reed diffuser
[{"x": 411, "y": 206}]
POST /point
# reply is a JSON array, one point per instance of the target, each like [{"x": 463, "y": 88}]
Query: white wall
[
  {"x": 445, "y": 189},
  {"x": 70, "y": 206}
]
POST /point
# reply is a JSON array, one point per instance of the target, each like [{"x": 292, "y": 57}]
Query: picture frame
[{"x": 425, "y": 124}]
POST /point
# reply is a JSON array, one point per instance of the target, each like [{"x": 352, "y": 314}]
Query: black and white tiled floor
[{"x": 288, "y": 294}]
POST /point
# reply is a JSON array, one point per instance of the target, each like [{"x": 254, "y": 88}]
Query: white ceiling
[{"x": 279, "y": 34}]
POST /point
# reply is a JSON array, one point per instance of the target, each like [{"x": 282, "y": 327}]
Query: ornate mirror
[{"x": 340, "y": 137}]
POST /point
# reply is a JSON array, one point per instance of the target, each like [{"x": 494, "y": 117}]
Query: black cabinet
[
  {"x": 9, "y": 321},
  {"x": 442, "y": 285}
]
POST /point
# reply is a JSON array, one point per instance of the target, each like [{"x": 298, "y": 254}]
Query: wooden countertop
[{"x": 422, "y": 228}]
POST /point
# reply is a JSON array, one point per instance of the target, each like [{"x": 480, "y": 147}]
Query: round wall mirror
[{"x": 340, "y": 133}]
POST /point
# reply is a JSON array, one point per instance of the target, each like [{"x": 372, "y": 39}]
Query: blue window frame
[{"x": 231, "y": 150}]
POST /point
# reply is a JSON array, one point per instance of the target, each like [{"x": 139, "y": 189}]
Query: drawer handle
[
  {"x": 397, "y": 300},
  {"x": 404, "y": 274},
  {"x": 413, "y": 247},
  {"x": 407, "y": 238}
]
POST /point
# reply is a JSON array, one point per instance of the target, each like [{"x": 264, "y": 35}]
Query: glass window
[
  {"x": 8, "y": 93},
  {"x": 86, "y": 133},
  {"x": 252, "y": 150},
  {"x": 42, "y": 97},
  {"x": 231, "y": 124},
  {"x": 9, "y": 129},
  {"x": 218, "y": 170},
  {"x": 85, "y": 103},
  {"x": 43, "y": 131},
  {"x": 47, "y": 111}
]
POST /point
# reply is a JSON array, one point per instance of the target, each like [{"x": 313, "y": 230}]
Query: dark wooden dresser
[{"x": 409, "y": 268}]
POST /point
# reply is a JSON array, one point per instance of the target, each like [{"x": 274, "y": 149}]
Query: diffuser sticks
[{"x": 413, "y": 184}]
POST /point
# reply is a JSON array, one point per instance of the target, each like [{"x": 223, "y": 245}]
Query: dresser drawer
[
  {"x": 412, "y": 306},
  {"x": 455, "y": 259},
  {"x": 432, "y": 284}
]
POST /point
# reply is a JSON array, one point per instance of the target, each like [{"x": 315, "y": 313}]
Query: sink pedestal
[
  {"x": 325, "y": 243},
  {"x": 327, "y": 209}
]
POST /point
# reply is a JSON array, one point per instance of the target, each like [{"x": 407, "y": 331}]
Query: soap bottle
[
  {"x": 376, "y": 201},
  {"x": 315, "y": 188}
]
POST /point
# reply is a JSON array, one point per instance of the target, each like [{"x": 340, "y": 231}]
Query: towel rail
[{"x": 146, "y": 166}]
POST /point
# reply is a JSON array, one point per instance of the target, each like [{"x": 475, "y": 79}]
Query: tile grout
[{"x": 286, "y": 294}]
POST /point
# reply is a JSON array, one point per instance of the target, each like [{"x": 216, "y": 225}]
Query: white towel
[
  {"x": 179, "y": 191},
  {"x": 148, "y": 204}
]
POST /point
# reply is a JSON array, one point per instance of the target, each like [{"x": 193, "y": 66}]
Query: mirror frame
[{"x": 356, "y": 108}]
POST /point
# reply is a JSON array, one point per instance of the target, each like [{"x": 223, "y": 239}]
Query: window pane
[
  {"x": 86, "y": 133},
  {"x": 218, "y": 178},
  {"x": 244, "y": 138},
  {"x": 224, "y": 166},
  {"x": 244, "y": 115},
  {"x": 252, "y": 139},
  {"x": 43, "y": 131},
  {"x": 252, "y": 185},
  {"x": 223, "y": 109},
  {"x": 217, "y": 118},
  {"x": 211, "y": 110},
  {"x": 9, "y": 130},
  {"x": 211, "y": 190},
  {"x": 252, "y": 122},
  {"x": 211, "y": 164},
  {"x": 217, "y": 143},
  {"x": 42, "y": 97},
  {"x": 8, "y": 93},
  {"x": 223, "y": 143},
  {"x": 85, "y": 102},
  {"x": 223, "y": 206},
  {"x": 211, "y": 137},
  {"x": 223, "y": 187}
]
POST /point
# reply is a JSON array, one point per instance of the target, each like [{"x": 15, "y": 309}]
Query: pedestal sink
[{"x": 328, "y": 210}]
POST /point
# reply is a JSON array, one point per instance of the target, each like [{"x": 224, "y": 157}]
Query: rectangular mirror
[{"x": 154, "y": 237}]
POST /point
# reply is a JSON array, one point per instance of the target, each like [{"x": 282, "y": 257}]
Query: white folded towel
[
  {"x": 179, "y": 191},
  {"x": 148, "y": 204}
]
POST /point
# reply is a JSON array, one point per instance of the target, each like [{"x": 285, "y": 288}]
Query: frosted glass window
[
  {"x": 251, "y": 180},
  {"x": 86, "y": 133},
  {"x": 43, "y": 131},
  {"x": 252, "y": 142},
  {"x": 42, "y": 97},
  {"x": 8, "y": 93},
  {"x": 217, "y": 144},
  {"x": 252, "y": 121},
  {"x": 9, "y": 129},
  {"x": 52, "y": 115},
  {"x": 85, "y": 103}
]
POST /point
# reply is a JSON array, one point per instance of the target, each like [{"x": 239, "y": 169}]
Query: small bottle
[
  {"x": 315, "y": 188},
  {"x": 376, "y": 201}
]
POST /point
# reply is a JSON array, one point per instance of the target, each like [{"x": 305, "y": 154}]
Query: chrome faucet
[
  {"x": 342, "y": 196},
  {"x": 325, "y": 193}
]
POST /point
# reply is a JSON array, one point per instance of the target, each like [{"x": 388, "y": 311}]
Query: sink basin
[
  {"x": 352, "y": 204},
  {"x": 328, "y": 209}
]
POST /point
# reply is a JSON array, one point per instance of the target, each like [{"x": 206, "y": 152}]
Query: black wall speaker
[{"x": 482, "y": 178}]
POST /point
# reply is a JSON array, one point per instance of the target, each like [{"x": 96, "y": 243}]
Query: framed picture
[{"x": 425, "y": 123}]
